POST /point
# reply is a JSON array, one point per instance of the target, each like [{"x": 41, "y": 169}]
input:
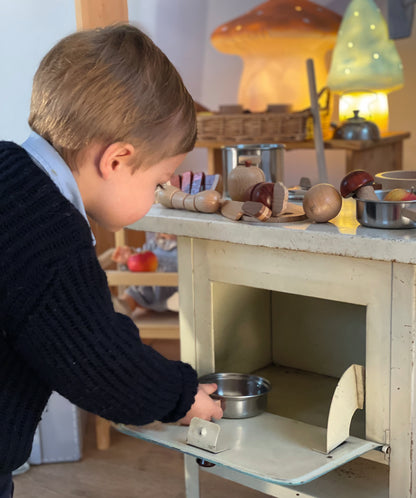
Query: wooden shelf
[
  {"x": 373, "y": 156},
  {"x": 387, "y": 138},
  {"x": 121, "y": 277},
  {"x": 160, "y": 325}
]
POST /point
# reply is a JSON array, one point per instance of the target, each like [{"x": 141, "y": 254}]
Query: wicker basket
[{"x": 262, "y": 127}]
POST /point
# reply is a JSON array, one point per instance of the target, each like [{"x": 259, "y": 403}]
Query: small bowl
[
  {"x": 241, "y": 395},
  {"x": 396, "y": 179},
  {"x": 384, "y": 214}
]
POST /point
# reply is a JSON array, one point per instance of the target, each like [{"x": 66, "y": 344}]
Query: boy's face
[{"x": 128, "y": 197}]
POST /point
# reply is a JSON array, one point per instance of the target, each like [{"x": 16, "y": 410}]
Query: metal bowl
[
  {"x": 241, "y": 395},
  {"x": 386, "y": 214}
]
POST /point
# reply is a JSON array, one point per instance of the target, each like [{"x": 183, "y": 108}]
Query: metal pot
[
  {"x": 241, "y": 395},
  {"x": 386, "y": 214},
  {"x": 271, "y": 160},
  {"x": 357, "y": 128}
]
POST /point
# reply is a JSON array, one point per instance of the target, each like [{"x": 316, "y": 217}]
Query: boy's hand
[{"x": 204, "y": 406}]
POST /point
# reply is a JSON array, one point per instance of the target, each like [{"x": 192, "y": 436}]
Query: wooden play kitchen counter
[{"x": 298, "y": 303}]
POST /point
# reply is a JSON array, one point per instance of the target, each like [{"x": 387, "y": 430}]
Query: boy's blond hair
[{"x": 108, "y": 85}]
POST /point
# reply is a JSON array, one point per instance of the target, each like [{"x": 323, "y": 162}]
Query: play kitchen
[
  {"x": 250, "y": 192},
  {"x": 322, "y": 312}
]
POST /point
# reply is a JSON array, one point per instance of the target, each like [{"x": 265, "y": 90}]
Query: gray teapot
[{"x": 357, "y": 128}]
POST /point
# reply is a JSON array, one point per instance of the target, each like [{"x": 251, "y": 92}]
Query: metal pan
[
  {"x": 386, "y": 214},
  {"x": 241, "y": 395}
]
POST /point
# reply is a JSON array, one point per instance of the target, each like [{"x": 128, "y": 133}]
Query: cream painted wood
[
  {"x": 328, "y": 277},
  {"x": 191, "y": 476},
  {"x": 365, "y": 480},
  {"x": 339, "y": 261},
  {"x": 403, "y": 409},
  {"x": 348, "y": 397},
  {"x": 268, "y": 447},
  {"x": 187, "y": 309}
]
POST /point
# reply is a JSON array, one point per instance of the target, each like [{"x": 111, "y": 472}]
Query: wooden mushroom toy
[
  {"x": 359, "y": 184},
  {"x": 322, "y": 202}
]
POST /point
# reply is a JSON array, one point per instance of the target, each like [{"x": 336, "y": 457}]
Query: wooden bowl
[{"x": 396, "y": 179}]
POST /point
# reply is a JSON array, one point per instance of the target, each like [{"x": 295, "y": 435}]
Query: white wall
[
  {"x": 182, "y": 29},
  {"x": 27, "y": 30}
]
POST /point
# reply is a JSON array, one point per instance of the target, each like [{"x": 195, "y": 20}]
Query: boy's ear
[{"x": 113, "y": 157}]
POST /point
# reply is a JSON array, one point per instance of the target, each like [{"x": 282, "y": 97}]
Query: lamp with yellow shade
[{"x": 365, "y": 64}]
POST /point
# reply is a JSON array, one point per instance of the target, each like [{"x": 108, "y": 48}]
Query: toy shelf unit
[
  {"x": 163, "y": 325},
  {"x": 299, "y": 305},
  {"x": 157, "y": 325}
]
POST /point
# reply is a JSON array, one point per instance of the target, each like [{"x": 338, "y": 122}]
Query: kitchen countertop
[{"x": 342, "y": 236}]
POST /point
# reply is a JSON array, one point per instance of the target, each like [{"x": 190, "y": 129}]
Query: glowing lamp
[
  {"x": 274, "y": 41},
  {"x": 365, "y": 64}
]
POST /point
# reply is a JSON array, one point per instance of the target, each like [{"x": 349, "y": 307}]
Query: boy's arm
[{"x": 93, "y": 356}]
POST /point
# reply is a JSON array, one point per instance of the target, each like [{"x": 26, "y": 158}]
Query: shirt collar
[{"x": 48, "y": 159}]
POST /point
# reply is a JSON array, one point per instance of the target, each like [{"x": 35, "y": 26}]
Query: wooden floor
[{"x": 129, "y": 469}]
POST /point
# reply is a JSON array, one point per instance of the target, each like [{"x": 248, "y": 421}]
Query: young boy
[{"x": 111, "y": 120}]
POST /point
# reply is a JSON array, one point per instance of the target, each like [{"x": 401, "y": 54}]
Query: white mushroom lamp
[
  {"x": 365, "y": 64},
  {"x": 274, "y": 40}
]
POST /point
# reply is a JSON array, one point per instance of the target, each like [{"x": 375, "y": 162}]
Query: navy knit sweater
[{"x": 58, "y": 328}]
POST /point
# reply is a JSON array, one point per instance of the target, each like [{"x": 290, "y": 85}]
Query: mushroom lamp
[
  {"x": 365, "y": 64},
  {"x": 274, "y": 40}
]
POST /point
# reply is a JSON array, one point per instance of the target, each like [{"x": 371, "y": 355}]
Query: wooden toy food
[
  {"x": 207, "y": 201},
  {"x": 359, "y": 184},
  {"x": 272, "y": 195},
  {"x": 243, "y": 176},
  {"x": 322, "y": 202}
]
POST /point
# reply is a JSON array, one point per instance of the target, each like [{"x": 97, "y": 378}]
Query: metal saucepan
[
  {"x": 241, "y": 395},
  {"x": 386, "y": 214}
]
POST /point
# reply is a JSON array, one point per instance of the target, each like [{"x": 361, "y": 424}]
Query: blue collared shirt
[{"x": 48, "y": 159}]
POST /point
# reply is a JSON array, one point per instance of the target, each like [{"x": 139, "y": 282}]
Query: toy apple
[
  {"x": 142, "y": 261},
  {"x": 244, "y": 176},
  {"x": 272, "y": 195},
  {"x": 400, "y": 194}
]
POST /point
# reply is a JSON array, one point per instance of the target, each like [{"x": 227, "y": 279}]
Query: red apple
[
  {"x": 142, "y": 261},
  {"x": 411, "y": 196},
  {"x": 400, "y": 195}
]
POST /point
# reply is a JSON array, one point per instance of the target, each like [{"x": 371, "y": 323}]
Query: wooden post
[
  {"x": 97, "y": 13},
  {"x": 93, "y": 14}
]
